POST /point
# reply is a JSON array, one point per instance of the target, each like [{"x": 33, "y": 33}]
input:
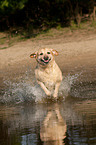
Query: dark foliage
[{"x": 33, "y": 14}]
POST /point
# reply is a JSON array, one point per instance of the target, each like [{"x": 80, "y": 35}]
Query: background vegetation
[{"x": 29, "y": 15}]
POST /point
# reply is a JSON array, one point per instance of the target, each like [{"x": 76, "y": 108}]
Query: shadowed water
[
  {"x": 29, "y": 117},
  {"x": 70, "y": 122}
]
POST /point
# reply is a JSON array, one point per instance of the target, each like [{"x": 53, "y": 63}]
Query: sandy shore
[{"x": 75, "y": 53}]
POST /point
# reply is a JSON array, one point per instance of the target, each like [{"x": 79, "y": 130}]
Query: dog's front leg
[
  {"x": 56, "y": 90},
  {"x": 47, "y": 92}
]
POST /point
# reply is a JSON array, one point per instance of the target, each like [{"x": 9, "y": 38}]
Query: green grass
[
  {"x": 93, "y": 24},
  {"x": 4, "y": 48},
  {"x": 2, "y": 40},
  {"x": 8, "y": 40}
]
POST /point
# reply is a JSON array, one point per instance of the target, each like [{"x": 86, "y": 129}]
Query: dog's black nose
[{"x": 46, "y": 57}]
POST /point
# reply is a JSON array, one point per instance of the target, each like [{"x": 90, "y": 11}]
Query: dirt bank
[{"x": 77, "y": 51}]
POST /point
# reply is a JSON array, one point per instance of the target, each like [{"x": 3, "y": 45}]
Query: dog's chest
[{"x": 48, "y": 77}]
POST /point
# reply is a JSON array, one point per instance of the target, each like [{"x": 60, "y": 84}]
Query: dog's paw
[
  {"x": 48, "y": 93},
  {"x": 55, "y": 95}
]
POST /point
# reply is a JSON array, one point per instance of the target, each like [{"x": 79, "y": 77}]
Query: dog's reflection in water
[{"x": 53, "y": 130}]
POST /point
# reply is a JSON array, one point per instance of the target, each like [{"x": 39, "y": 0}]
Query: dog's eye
[
  {"x": 48, "y": 52},
  {"x": 41, "y": 53}
]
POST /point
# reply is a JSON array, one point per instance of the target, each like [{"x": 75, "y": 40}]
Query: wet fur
[{"x": 47, "y": 72}]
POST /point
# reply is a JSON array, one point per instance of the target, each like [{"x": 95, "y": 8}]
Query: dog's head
[{"x": 44, "y": 56}]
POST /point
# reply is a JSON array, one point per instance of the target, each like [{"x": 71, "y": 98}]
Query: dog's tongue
[{"x": 46, "y": 60}]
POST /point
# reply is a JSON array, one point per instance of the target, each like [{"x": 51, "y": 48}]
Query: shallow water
[
  {"x": 71, "y": 122},
  {"x": 28, "y": 117}
]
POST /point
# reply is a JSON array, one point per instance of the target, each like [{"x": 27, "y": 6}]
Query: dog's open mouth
[{"x": 45, "y": 61}]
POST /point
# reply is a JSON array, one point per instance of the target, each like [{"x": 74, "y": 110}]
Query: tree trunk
[
  {"x": 78, "y": 14},
  {"x": 94, "y": 13}
]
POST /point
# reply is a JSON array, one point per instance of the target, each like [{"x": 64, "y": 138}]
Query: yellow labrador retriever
[{"x": 47, "y": 72}]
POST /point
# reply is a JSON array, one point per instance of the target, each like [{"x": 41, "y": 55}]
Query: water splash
[
  {"x": 67, "y": 83},
  {"x": 26, "y": 92}
]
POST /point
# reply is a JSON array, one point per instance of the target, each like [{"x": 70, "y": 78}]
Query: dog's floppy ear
[
  {"x": 33, "y": 55},
  {"x": 55, "y": 52}
]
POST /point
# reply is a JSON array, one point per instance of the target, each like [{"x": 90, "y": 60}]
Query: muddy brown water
[{"x": 28, "y": 117}]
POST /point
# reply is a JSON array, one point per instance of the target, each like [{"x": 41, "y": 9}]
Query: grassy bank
[{"x": 8, "y": 39}]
